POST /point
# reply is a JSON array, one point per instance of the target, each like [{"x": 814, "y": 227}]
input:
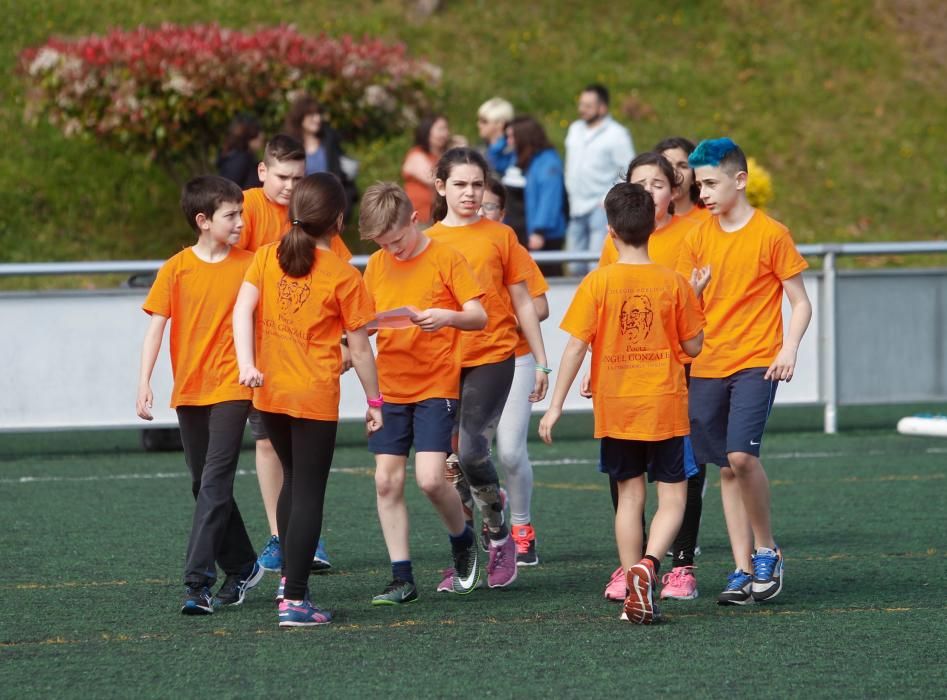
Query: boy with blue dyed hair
[{"x": 752, "y": 261}]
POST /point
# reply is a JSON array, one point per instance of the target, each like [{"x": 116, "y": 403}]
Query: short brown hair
[
  {"x": 206, "y": 194},
  {"x": 282, "y": 148},
  {"x": 385, "y": 207}
]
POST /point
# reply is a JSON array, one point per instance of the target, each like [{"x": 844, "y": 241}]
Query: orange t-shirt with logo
[
  {"x": 635, "y": 317},
  {"x": 299, "y": 321},
  {"x": 265, "y": 221},
  {"x": 198, "y": 297},
  {"x": 414, "y": 365},
  {"x": 743, "y": 300},
  {"x": 498, "y": 260},
  {"x": 664, "y": 245},
  {"x": 537, "y": 286}
]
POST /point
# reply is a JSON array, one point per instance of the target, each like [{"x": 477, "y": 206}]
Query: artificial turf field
[{"x": 94, "y": 532}]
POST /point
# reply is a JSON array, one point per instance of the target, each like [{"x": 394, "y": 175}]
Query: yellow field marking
[{"x": 568, "y": 486}]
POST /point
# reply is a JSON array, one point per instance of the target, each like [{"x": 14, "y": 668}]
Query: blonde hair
[
  {"x": 385, "y": 207},
  {"x": 496, "y": 109}
]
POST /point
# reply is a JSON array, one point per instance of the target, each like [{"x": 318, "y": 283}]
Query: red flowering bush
[{"x": 170, "y": 92}]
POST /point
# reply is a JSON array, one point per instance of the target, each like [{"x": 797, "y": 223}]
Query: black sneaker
[
  {"x": 197, "y": 601},
  {"x": 466, "y": 572},
  {"x": 396, "y": 593},
  {"x": 234, "y": 588},
  {"x": 738, "y": 590}
]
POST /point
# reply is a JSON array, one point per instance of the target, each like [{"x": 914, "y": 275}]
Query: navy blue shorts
[
  {"x": 426, "y": 424},
  {"x": 257, "y": 429},
  {"x": 663, "y": 460},
  {"x": 729, "y": 414}
]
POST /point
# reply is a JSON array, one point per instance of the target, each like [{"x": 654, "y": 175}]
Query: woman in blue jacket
[{"x": 545, "y": 195}]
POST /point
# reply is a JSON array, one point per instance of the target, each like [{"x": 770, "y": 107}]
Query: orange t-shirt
[
  {"x": 537, "y": 286},
  {"x": 265, "y": 221},
  {"x": 198, "y": 297},
  {"x": 697, "y": 215},
  {"x": 664, "y": 245},
  {"x": 635, "y": 317},
  {"x": 299, "y": 321},
  {"x": 743, "y": 301},
  {"x": 497, "y": 260},
  {"x": 420, "y": 193},
  {"x": 414, "y": 365}
]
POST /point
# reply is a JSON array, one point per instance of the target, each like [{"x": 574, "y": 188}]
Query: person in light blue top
[
  {"x": 597, "y": 151},
  {"x": 492, "y": 118},
  {"x": 544, "y": 195}
]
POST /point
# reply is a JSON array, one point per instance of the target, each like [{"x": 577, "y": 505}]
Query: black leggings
[{"x": 305, "y": 448}]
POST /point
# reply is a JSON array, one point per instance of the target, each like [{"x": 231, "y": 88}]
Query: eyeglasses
[{"x": 490, "y": 206}]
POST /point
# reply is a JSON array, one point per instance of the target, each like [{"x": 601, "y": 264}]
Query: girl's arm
[
  {"x": 149, "y": 355},
  {"x": 473, "y": 317},
  {"x": 785, "y": 363},
  {"x": 541, "y": 304},
  {"x": 243, "y": 309},
  {"x": 529, "y": 325},
  {"x": 364, "y": 363},
  {"x": 572, "y": 358}
]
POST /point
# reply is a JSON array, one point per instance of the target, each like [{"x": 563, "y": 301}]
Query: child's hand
[
  {"x": 250, "y": 376},
  {"x": 540, "y": 387},
  {"x": 700, "y": 278},
  {"x": 783, "y": 366},
  {"x": 548, "y": 421},
  {"x": 585, "y": 386},
  {"x": 433, "y": 319},
  {"x": 373, "y": 421},
  {"x": 144, "y": 403},
  {"x": 346, "y": 359}
]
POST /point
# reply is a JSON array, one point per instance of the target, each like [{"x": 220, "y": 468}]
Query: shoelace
[
  {"x": 617, "y": 575},
  {"x": 737, "y": 580},
  {"x": 763, "y": 565},
  {"x": 676, "y": 576},
  {"x": 522, "y": 545}
]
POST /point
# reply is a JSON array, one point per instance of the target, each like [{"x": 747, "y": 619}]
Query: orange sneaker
[
  {"x": 640, "y": 607},
  {"x": 525, "y": 538}
]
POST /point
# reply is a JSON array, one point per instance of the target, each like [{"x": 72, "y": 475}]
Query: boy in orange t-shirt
[
  {"x": 420, "y": 407},
  {"x": 637, "y": 316},
  {"x": 752, "y": 262},
  {"x": 196, "y": 290}
]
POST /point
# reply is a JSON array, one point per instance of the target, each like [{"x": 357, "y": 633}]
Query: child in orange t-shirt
[
  {"x": 687, "y": 202},
  {"x": 420, "y": 407},
  {"x": 265, "y": 221},
  {"x": 637, "y": 316},
  {"x": 501, "y": 266},
  {"x": 303, "y": 297},
  {"x": 196, "y": 290},
  {"x": 753, "y": 261}
]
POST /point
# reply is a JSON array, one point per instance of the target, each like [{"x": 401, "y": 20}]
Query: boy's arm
[
  {"x": 363, "y": 360},
  {"x": 243, "y": 309},
  {"x": 572, "y": 358},
  {"x": 149, "y": 355},
  {"x": 473, "y": 317},
  {"x": 529, "y": 325},
  {"x": 785, "y": 363},
  {"x": 693, "y": 346}
]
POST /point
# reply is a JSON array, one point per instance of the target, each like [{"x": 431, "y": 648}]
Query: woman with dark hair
[
  {"x": 306, "y": 122},
  {"x": 239, "y": 157},
  {"x": 544, "y": 196},
  {"x": 431, "y": 139}
]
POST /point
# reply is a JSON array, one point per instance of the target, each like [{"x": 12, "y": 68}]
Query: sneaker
[
  {"x": 525, "y": 538},
  {"x": 640, "y": 607},
  {"x": 197, "y": 601},
  {"x": 396, "y": 593},
  {"x": 484, "y": 530},
  {"x": 738, "y": 588},
  {"x": 235, "y": 586},
  {"x": 501, "y": 571},
  {"x": 271, "y": 558},
  {"x": 617, "y": 588},
  {"x": 447, "y": 581},
  {"x": 303, "y": 614},
  {"x": 320, "y": 562},
  {"x": 465, "y": 574},
  {"x": 679, "y": 584},
  {"x": 281, "y": 586},
  {"x": 767, "y": 574}
]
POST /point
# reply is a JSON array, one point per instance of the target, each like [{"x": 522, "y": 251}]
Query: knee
[
  {"x": 741, "y": 462},
  {"x": 511, "y": 457},
  {"x": 432, "y": 483},
  {"x": 389, "y": 483}
]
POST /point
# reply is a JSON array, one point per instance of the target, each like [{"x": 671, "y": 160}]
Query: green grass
[
  {"x": 95, "y": 544},
  {"x": 838, "y": 99}
]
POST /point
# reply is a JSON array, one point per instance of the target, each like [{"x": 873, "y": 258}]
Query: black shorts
[
  {"x": 663, "y": 460},
  {"x": 427, "y": 425},
  {"x": 257, "y": 429},
  {"x": 729, "y": 414}
]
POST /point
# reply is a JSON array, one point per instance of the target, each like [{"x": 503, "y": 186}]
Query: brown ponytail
[
  {"x": 316, "y": 204},
  {"x": 455, "y": 156}
]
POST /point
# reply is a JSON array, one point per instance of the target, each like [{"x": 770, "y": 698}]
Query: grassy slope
[{"x": 828, "y": 97}]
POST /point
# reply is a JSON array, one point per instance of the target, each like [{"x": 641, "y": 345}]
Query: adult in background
[
  {"x": 307, "y": 123},
  {"x": 431, "y": 139},
  {"x": 492, "y": 118},
  {"x": 597, "y": 150},
  {"x": 544, "y": 194},
  {"x": 239, "y": 155}
]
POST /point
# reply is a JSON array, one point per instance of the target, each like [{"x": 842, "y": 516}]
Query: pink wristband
[{"x": 377, "y": 403}]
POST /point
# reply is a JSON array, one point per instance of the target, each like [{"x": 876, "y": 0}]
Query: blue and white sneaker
[
  {"x": 271, "y": 558},
  {"x": 302, "y": 614},
  {"x": 738, "y": 590},
  {"x": 235, "y": 586},
  {"x": 320, "y": 562},
  {"x": 197, "y": 601},
  {"x": 767, "y": 574}
]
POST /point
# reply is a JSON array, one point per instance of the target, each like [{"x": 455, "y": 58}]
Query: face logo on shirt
[
  {"x": 293, "y": 292},
  {"x": 635, "y": 317}
]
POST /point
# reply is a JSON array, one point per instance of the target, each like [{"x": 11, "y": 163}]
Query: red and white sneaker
[
  {"x": 617, "y": 589},
  {"x": 525, "y": 538},
  {"x": 640, "y": 607},
  {"x": 679, "y": 584}
]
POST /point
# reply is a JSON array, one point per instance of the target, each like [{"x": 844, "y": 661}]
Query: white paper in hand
[{"x": 402, "y": 317}]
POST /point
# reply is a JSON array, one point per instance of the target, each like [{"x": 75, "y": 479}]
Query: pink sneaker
[
  {"x": 501, "y": 571},
  {"x": 446, "y": 585},
  {"x": 616, "y": 589},
  {"x": 679, "y": 584}
]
